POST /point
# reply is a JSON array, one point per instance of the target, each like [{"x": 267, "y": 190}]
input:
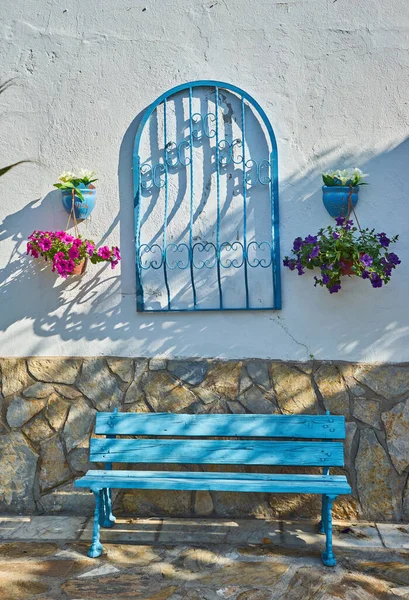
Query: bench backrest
[{"x": 312, "y": 442}]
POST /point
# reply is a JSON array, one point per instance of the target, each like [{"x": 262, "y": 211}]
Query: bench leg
[
  {"x": 328, "y": 557},
  {"x": 321, "y": 524},
  {"x": 108, "y": 519},
  {"x": 95, "y": 549}
]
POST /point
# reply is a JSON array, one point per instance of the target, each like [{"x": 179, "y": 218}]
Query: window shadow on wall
[{"x": 102, "y": 304}]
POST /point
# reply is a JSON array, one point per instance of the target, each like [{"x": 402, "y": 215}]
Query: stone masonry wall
[{"x": 48, "y": 407}]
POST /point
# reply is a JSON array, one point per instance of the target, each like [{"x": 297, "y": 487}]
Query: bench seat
[
  {"x": 188, "y": 441},
  {"x": 222, "y": 482}
]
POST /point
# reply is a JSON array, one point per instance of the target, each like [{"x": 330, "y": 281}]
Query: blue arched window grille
[{"x": 206, "y": 202}]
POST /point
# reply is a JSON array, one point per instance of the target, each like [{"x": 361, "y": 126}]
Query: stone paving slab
[
  {"x": 139, "y": 531},
  {"x": 10, "y": 524},
  {"x": 394, "y": 535},
  {"x": 49, "y": 528}
]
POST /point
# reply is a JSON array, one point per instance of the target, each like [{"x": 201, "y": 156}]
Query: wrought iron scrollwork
[{"x": 203, "y": 216}]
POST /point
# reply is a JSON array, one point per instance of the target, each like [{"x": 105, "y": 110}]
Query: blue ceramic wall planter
[
  {"x": 82, "y": 208},
  {"x": 335, "y": 199}
]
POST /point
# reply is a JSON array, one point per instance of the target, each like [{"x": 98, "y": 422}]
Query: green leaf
[
  {"x": 4, "y": 170},
  {"x": 78, "y": 193}
]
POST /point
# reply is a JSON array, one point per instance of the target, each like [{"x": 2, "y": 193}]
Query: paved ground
[{"x": 45, "y": 558}]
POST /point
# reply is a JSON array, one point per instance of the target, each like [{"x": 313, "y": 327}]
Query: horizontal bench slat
[
  {"x": 250, "y": 452},
  {"x": 244, "y": 482},
  {"x": 169, "y": 424}
]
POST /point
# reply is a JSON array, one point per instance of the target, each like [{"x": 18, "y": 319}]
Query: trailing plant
[
  {"x": 72, "y": 181},
  {"x": 4, "y": 170},
  {"x": 66, "y": 251},
  {"x": 344, "y": 250},
  {"x": 347, "y": 177}
]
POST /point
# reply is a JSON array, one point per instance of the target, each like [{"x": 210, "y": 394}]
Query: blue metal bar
[
  {"x": 158, "y": 310},
  {"x": 275, "y": 231},
  {"x": 165, "y": 218},
  {"x": 137, "y": 223},
  {"x": 243, "y": 135},
  {"x": 219, "y": 283},
  {"x": 192, "y": 278}
]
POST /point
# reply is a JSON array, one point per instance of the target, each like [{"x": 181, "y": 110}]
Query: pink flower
[
  {"x": 69, "y": 266},
  {"x": 73, "y": 253},
  {"x": 116, "y": 253},
  {"x": 114, "y": 263},
  {"x": 77, "y": 242},
  {"x": 60, "y": 235},
  {"x": 90, "y": 248},
  {"x": 45, "y": 244},
  {"x": 68, "y": 238},
  {"x": 104, "y": 253}
]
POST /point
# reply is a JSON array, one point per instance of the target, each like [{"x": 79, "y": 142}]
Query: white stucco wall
[{"x": 333, "y": 77}]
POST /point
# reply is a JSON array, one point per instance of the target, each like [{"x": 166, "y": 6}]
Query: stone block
[
  {"x": 294, "y": 390},
  {"x": 258, "y": 372},
  {"x": 332, "y": 389},
  {"x": 21, "y": 410},
  {"x": 203, "y": 504},
  {"x": 164, "y": 393},
  {"x": 192, "y": 372},
  {"x": 223, "y": 379},
  {"x": 38, "y": 429},
  {"x": 14, "y": 376},
  {"x": 56, "y": 411},
  {"x": 78, "y": 424},
  {"x": 18, "y": 463},
  {"x": 378, "y": 485},
  {"x": 396, "y": 423},
  {"x": 54, "y": 469},
  {"x": 123, "y": 367},
  {"x": 98, "y": 384},
  {"x": 58, "y": 370},
  {"x": 38, "y": 390},
  {"x": 254, "y": 401},
  {"x": 367, "y": 411},
  {"x": 389, "y": 381},
  {"x": 68, "y": 500}
]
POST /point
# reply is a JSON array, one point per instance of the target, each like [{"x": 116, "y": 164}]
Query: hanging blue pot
[
  {"x": 82, "y": 208},
  {"x": 335, "y": 199}
]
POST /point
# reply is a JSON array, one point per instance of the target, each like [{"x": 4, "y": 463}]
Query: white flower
[
  {"x": 66, "y": 176},
  {"x": 86, "y": 174}
]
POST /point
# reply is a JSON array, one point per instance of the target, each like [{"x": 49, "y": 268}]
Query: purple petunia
[
  {"x": 383, "y": 239},
  {"x": 298, "y": 244},
  {"x": 289, "y": 262},
  {"x": 314, "y": 252},
  {"x": 336, "y": 235},
  {"x": 393, "y": 258},
  {"x": 311, "y": 239},
  {"x": 334, "y": 289},
  {"x": 326, "y": 279},
  {"x": 365, "y": 274},
  {"x": 300, "y": 269},
  {"x": 366, "y": 260},
  {"x": 376, "y": 281},
  {"x": 340, "y": 221}
]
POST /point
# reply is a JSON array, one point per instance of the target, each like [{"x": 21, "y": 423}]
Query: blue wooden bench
[{"x": 314, "y": 442}]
